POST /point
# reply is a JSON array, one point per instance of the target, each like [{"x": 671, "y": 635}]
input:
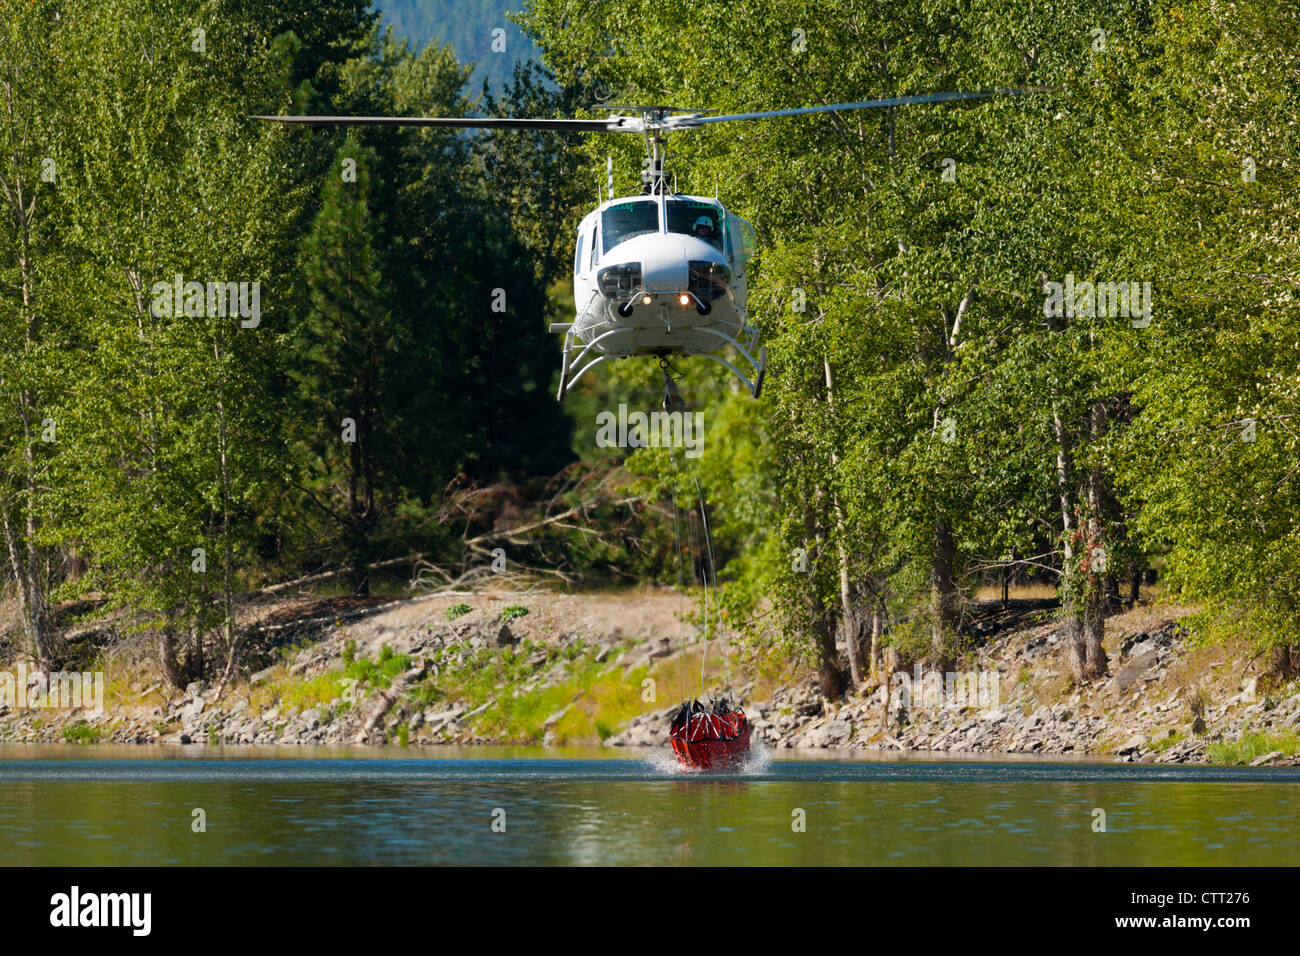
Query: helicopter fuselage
[
  {"x": 645, "y": 283},
  {"x": 659, "y": 275}
]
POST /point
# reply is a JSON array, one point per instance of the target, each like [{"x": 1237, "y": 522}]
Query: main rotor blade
[
  {"x": 862, "y": 105},
  {"x": 613, "y": 123}
]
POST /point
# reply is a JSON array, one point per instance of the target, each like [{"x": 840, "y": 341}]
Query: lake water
[{"x": 104, "y": 805}]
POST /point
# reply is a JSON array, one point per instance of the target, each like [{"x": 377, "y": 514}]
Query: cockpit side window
[
  {"x": 627, "y": 220},
  {"x": 744, "y": 241},
  {"x": 577, "y": 256},
  {"x": 699, "y": 219}
]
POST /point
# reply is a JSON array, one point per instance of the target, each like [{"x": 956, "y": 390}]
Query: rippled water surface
[{"x": 111, "y": 806}]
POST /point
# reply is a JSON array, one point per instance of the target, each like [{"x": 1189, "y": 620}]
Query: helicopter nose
[
  {"x": 669, "y": 265},
  {"x": 666, "y": 271}
]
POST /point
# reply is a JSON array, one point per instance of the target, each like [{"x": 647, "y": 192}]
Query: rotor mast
[
  {"x": 654, "y": 123},
  {"x": 654, "y": 178}
]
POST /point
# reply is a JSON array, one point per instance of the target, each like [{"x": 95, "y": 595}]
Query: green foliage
[
  {"x": 81, "y": 732},
  {"x": 1254, "y": 745},
  {"x": 1167, "y": 741},
  {"x": 926, "y": 426},
  {"x": 924, "y": 297},
  {"x": 513, "y": 612},
  {"x": 356, "y": 674},
  {"x": 160, "y": 461},
  {"x": 426, "y": 322},
  {"x": 380, "y": 672},
  {"x": 458, "y": 610},
  {"x": 601, "y": 696}
]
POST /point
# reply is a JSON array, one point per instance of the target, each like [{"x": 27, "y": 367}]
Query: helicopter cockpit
[
  {"x": 627, "y": 220},
  {"x": 694, "y": 218}
]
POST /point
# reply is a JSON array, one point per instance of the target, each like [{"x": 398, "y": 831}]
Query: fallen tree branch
[{"x": 339, "y": 572}]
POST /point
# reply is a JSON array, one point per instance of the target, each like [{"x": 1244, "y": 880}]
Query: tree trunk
[
  {"x": 829, "y": 676},
  {"x": 850, "y": 619},
  {"x": 852, "y": 627},
  {"x": 30, "y": 617},
  {"x": 180, "y": 669},
  {"x": 358, "y": 533},
  {"x": 1074, "y": 646},
  {"x": 1095, "y": 605},
  {"x": 877, "y": 632},
  {"x": 25, "y": 554},
  {"x": 943, "y": 610},
  {"x": 1087, "y": 615},
  {"x": 943, "y": 589},
  {"x": 1286, "y": 662}
]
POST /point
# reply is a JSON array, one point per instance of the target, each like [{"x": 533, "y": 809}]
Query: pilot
[{"x": 704, "y": 228}]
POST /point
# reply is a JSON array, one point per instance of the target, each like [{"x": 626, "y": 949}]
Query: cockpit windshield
[
  {"x": 627, "y": 220},
  {"x": 692, "y": 218}
]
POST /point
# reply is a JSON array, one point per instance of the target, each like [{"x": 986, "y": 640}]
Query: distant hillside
[{"x": 467, "y": 25}]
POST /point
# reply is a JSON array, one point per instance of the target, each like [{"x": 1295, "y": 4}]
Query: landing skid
[{"x": 574, "y": 353}]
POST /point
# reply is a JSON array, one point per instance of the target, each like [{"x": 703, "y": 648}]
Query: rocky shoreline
[
  {"x": 420, "y": 673},
  {"x": 1131, "y": 716}
]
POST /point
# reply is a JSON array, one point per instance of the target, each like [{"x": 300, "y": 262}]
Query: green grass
[
  {"x": 379, "y": 673},
  {"x": 458, "y": 610},
  {"x": 603, "y": 696},
  {"x": 1254, "y": 745},
  {"x": 81, "y": 733},
  {"x": 1164, "y": 743},
  {"x": 319, "y": 690},
  {"x": 323, "y": 689}
]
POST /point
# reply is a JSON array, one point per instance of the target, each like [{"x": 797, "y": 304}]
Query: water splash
[
  {"x": 756, "y": 763},
  {"x": 664, "y": 762}
]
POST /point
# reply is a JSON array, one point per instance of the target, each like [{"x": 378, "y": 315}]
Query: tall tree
[{"x": 30, "y": 327}]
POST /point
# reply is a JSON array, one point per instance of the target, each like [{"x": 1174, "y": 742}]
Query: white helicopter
[{"x": 658, "y": 274}]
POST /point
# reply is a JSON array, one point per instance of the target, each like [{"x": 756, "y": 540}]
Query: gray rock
[
  {"x": 1134, "y": 743},
  {"x": 1130, "y": 673},
  {"x": 1141, "y": 648},
  {"x": 556, "y": 717}
]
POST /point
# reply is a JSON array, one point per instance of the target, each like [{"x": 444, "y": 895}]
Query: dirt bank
[{"x": 549, "y": 668}]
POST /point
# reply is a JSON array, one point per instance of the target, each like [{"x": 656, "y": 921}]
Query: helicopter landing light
[
  {"x": 684, "y": 299},
  {"x": 646, "y": 300}
]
